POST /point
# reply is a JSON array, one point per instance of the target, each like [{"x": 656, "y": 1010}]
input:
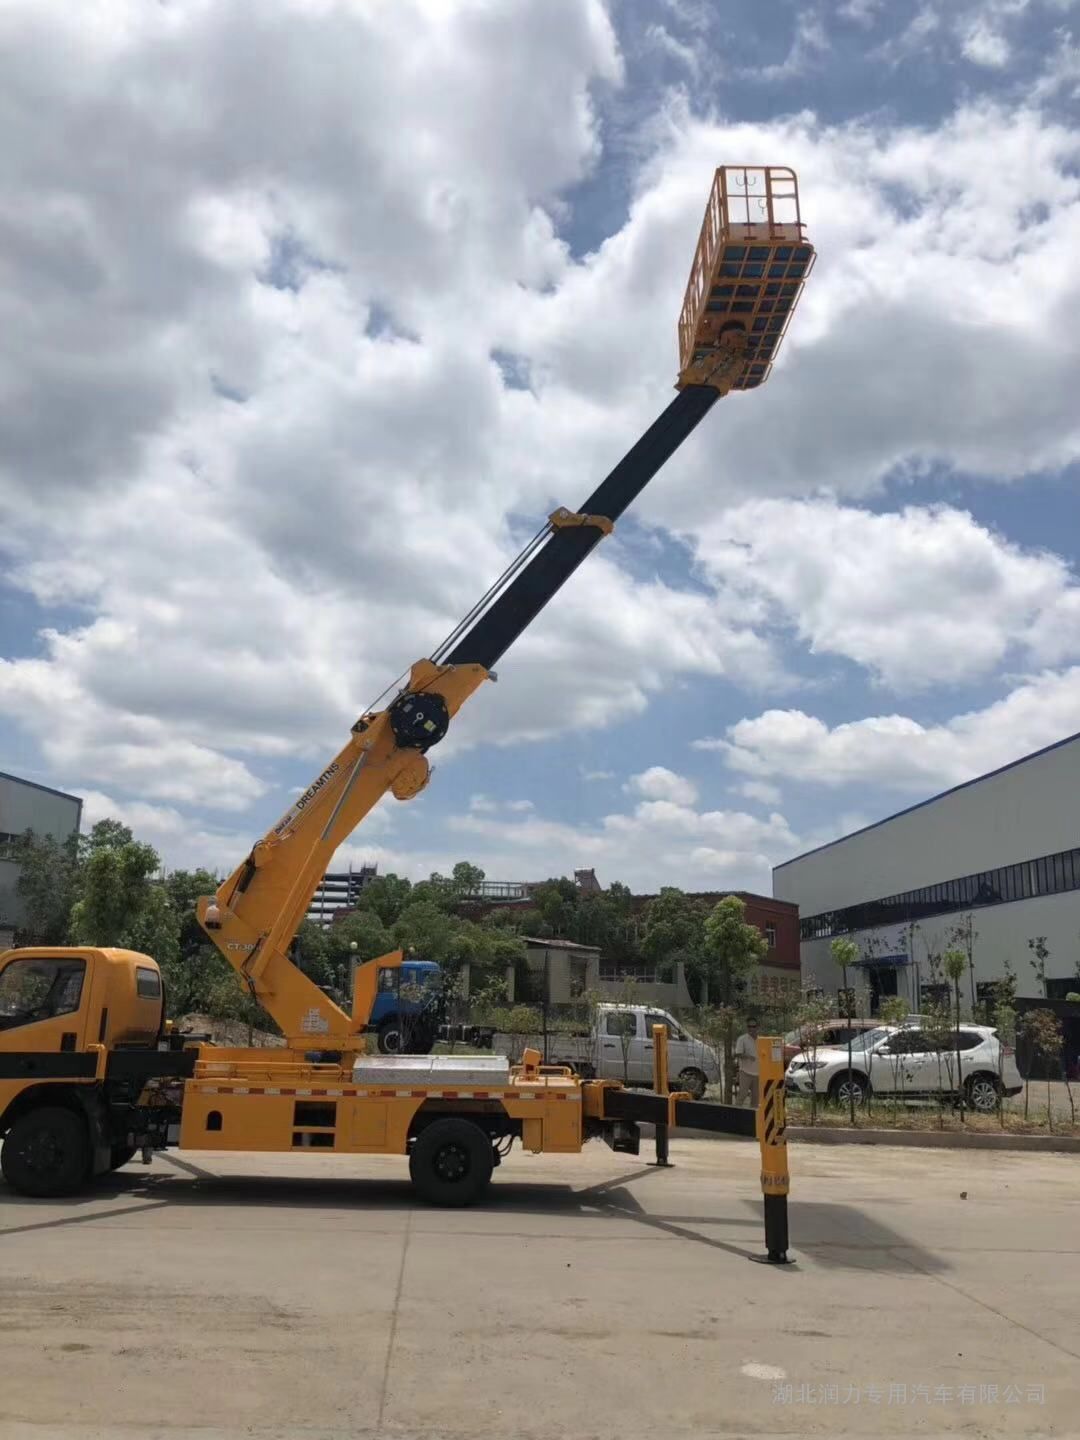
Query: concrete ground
[{"x": 591, "y": 1296}]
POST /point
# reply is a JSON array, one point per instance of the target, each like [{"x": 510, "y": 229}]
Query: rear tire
[
  {"x": 451, "y": 1162},
  {"x": 46, "y": 1153},
  {"x": 983, "y": 1093},
  {"x": 121, "y": 1154}
]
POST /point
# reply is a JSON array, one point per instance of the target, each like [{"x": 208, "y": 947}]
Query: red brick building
[{"x": 778, "y": 921}]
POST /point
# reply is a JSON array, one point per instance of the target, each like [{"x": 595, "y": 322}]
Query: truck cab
[
  {"x": 405, "y": 1015},
  {"x": 80, "y": 1034}
]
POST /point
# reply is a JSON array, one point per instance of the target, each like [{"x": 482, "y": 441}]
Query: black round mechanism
[{"x": 419, "y": 720}]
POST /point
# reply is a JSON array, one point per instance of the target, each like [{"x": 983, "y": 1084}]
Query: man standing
[{"x": 746, "y": 1059}]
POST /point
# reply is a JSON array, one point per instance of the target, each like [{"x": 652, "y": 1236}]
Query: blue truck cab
[{"x": 406, "y": 1015}]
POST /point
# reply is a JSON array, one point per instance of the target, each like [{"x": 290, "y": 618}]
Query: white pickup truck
[{"x": 620, "y": 1047}]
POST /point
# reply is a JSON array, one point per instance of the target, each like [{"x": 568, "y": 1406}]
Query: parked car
[
  {"x": 620, "y": 1047},
  {"x": 905, "y": 1060},
  {"x": 827, "y": 1033}
]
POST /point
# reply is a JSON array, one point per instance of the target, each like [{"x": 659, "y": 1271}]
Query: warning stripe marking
[
  {"x": 773, "y": 1118},
  {"x": 571, "y": 1095}
]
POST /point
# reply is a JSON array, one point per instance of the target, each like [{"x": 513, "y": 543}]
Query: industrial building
[
  {"x": 984, "y": 868},
  {"x": 25, "y": 805}
]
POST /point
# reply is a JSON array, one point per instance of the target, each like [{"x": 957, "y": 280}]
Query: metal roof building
[
  {"x": 26, "y": 805},
  {"x": 1003, "y": 849}
]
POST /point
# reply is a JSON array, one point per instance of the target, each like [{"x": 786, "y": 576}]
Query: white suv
[{"x": 903, "y": 1060}]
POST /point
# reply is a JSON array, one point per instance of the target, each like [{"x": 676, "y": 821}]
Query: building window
[
  {"x": 1047, "y": 875},
  {"x": 770, "y": 936}
]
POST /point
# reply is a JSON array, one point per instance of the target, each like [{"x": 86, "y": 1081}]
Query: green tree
[
  {"x": 674, "y": 933},
  {"x": 228, "y": 998},
  {"x": 955, "y": 963},
  {"x": 46, "y": 886},
  {"x": 107, "y": 834},
  {"x": 732, "y": 951},
  {"x": 311, "y": 954},
  {"x": 844, "y": 953},
  {"x": 427, "y": 929},
  {"x": 118, "y": 901},
  {"x": 1003, "y": 1019},
  {"x": 1040, "y": 953},
  {"x": 385, "y": 896},
  {"x": 962, "y": 937},
  {"x": 810, "y": 1016},
  {"x": 1043, "y": 1030},
  {"x": 466, "y": 879},
  {"x": 936, "y": 1026},
  {"x": 184, "y": 888},
  {"x": 893, "y": 1011},
  {"x": 361, "y": 936},
  {"x": 557, "y": 901}
]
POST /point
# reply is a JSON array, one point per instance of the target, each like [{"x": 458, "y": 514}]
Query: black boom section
[
  {"x": 652, "y": 1109},
  {"x": 523, "y": 599}
]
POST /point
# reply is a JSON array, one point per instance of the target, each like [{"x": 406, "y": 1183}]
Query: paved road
[{"x": 591, "y": 1297}]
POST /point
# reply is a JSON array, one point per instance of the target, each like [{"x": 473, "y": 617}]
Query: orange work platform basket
[{"x": 751, "y": 263}]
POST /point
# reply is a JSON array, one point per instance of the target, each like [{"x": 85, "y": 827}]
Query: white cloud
[
  {"x": 660, "y": 842},
  {"x": 860, "y": 12},
  {"x": 661, "y": 38},
  {"x": 257, "y": 439},
  {"x": 983, "y": 45},
  {"x": 593, "y": 776},
  {"x": 1061, "y": 75},
  {"x": 899, "y": 753},
  {"x": 808, "y": 44},
  {"x": 923, "y": 596},
  {"x": 760, "y": 790},
  {"x": 180, "y": 841},
  {"x": 913, "y": 40},
  {"x": 659, "y": 783}
]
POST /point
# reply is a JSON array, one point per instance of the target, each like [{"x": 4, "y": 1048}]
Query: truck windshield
[{"x": 39, "y": 989}]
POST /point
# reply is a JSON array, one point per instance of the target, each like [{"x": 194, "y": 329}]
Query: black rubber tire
[
  {"x": 692, "y": 1080},
  {"x": 451, "y": 1162},
  {"x": 420, "y": 1040},
  {"x": 46, "y": 1152},
  {"x": 980, "y": 1088},
  {"x": 838, "y": 1089},
  {"x": 390, "y": 1036},
  {"x": 121, "y": 1154}
]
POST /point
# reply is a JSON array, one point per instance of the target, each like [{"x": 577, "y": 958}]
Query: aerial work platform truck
[{"x": 89, "y": 1073}]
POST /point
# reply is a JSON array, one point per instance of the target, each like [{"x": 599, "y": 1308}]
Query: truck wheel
[
  {"x": 451, "y": 1162},
  {"x": 390, "y": 1036},
  {"x": 842, "y": 1090},
  {"x": 983, "y": 1093},
  {"x": 692, "y": 1080},
  {"x": 47, "y": 1152},
  {"x": 121, "y": 1154},
  {"x": 421, "y": 1041}
]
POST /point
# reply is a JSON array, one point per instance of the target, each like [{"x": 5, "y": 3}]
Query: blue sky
[{"x": 331, "y": 304}]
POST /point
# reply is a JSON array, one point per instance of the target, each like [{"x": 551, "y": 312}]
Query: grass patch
[{"x": 925, "y": 1117}]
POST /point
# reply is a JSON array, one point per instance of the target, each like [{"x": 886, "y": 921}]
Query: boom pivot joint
[{"x": 563, "y": 519}]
